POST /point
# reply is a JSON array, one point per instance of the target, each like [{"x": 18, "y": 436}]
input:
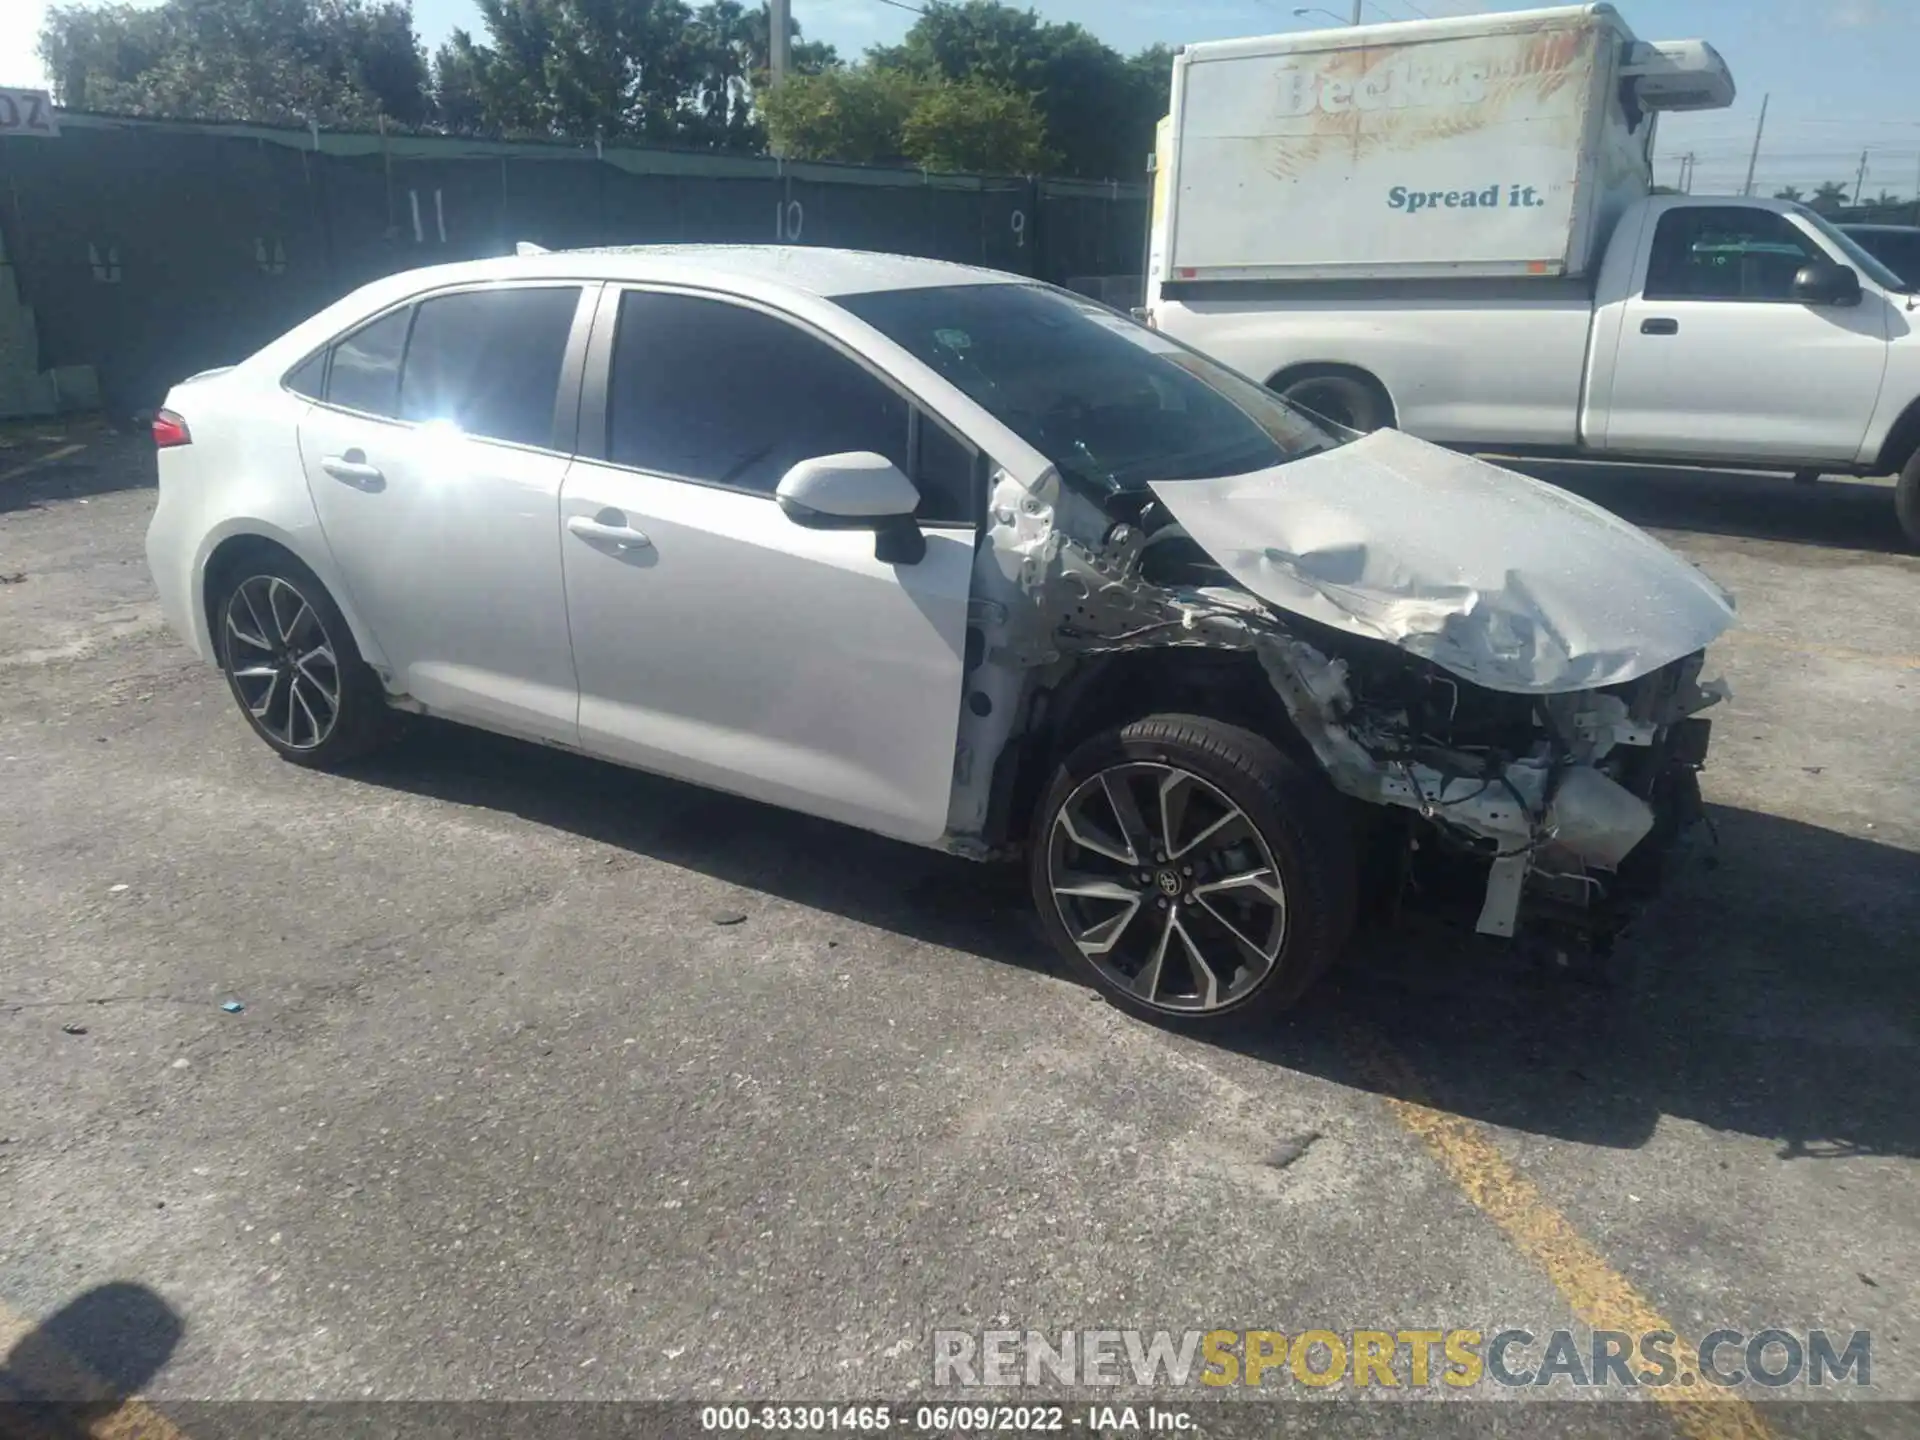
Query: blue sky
[{"x": 1841, "y": 72}]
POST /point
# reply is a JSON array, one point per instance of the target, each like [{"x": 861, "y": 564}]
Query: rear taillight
[{"x": 170, "y": 430}]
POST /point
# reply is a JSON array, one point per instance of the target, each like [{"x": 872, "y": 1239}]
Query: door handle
[
  {"x": 352, "y": 469},
  {"x": 609, "y": 529},
  {"x": 1660, "y": 326}
]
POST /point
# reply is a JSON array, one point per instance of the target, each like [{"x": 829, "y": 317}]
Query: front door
[
  {"x": 1717, "y": 360},
  {"x": 435, "y": 469},
  {"x": 718, "y": 641}
]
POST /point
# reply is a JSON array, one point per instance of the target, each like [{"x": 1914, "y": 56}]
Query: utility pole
[
  {"x": 1356, "y": 11},
  {"x": 779, "y": 39},
  {"x": 1758, "y": 130},
  {"x": 1860, "y": 179}
]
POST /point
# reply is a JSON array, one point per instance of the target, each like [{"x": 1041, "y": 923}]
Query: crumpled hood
[{"x": 1500, "y": 579}]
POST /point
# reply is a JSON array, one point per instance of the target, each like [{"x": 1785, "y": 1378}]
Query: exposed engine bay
[{"x": 1520, "y": 737}]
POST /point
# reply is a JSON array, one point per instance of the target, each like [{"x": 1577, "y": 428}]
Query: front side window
[
  {"x": 1111, "y": 403},
  {"x": 365, "y": 373},
  {"x": 716, "y": 392},
  {"x": 1726, "y": 253},
  {"x": 488, "y": 361}
]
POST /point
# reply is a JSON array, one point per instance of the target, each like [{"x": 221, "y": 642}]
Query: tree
[
  {"x": 875, "y": 115},
  {"x": 857, "y": 114},
  {"x": 1789, "y": 192},
  {"x": 648, "y": 70},
  {"x": 1830, "y": 195},
  {"x": 975, "y": 126},
  {"x": 334, "y": 62},
  {"x": 1885, "y": 200},
  {"x": 733, "y": 53},
  {"x": 1099, "y": 108}
]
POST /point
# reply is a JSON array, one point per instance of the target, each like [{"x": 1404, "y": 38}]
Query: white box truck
[{"x": 1449, "y": 226}]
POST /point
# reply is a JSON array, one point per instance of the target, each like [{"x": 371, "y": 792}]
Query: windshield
[
  {"x": 1111, "y": 403},
  {"x": 1861, "y": 259}
]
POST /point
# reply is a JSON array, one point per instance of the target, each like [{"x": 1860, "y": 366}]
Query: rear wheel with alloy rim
[
  {"x": 293, "y": 666},
  {"x": 1191, "y": 871}
]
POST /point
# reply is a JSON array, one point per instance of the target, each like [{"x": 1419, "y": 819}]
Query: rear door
[
  {"x": 714, "y": 638},
  {"x": 435, "y": 459},
  {"x": 1717, "y": 360}
]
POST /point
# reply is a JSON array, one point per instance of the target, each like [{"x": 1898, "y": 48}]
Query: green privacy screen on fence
[{"x": 152, "y": 249}]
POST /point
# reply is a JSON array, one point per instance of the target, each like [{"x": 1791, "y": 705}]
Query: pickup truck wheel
[
  {"x": 1192, "y": 873},
  {"x": 1349, "y": 400},
  {"x": 1906, "y": 501}
]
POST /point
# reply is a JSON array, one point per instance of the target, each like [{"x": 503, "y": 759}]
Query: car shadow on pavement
[
  {"x": 1771, "y": 991},
  {"x": 73, "y": 1373},
  {"x": 1835, "y": 513},
  {"x": 72, "y": 462}
]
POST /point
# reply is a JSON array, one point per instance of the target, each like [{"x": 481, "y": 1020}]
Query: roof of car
[
  {"x": 1853, "y": 229},
  {"x": 815, "y": 269}
]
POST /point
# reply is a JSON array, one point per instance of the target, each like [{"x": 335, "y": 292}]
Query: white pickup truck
[{"x": 1448, "y": 226}]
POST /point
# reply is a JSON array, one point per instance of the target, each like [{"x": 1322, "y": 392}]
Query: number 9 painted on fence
[{"x": 1019, "y": 223}]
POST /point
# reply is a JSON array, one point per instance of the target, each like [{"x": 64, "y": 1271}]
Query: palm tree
[
  {"x": 1789, "y": 192},
  {"x": 1886, "y": 199},
  {"x": 1829, "y": 195}
]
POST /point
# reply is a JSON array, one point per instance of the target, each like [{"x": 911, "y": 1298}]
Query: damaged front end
[{"x": 1524, "y": 737}]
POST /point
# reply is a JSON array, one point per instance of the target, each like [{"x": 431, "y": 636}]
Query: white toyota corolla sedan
[{"x": 959, "y": 558}]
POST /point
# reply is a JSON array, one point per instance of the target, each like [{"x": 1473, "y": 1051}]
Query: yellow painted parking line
[
  {"x": 47, "y": 459},
  {"x": 1737, "y": 638},
  {"x": 1599, "y": 1294},
  {"x": 50, "y": 1371}
]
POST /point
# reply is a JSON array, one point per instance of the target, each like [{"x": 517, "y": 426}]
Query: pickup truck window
[
  {"x": 1865, "y": 261},
  {"x": 1111, "y": 403},
  {"x": 1726, "y": 253}
]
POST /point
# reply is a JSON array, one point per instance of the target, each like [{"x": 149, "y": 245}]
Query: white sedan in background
[{"x": 955, "y": 557}]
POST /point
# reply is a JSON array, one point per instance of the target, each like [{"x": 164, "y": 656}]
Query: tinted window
[
  {"x": 721, "y": 393},
  {"x": 945, "y": 470},
  {"x": 1726, "y": 254},
  {"x": 1898, "y": 250},
  {"x": 1108, "y": 401},
  {"x": 1902, "y": 254},
  {"x": 488, "y": 361},
  {"x": 365, "y": 374},
  {"x": 309, "y": 378}
]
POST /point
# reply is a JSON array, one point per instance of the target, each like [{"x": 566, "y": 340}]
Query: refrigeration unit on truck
[{"x": 1448, "y": 226}]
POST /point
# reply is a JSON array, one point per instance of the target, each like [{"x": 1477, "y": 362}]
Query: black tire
[
  {"x": 1906, "y": 501},
  {"x": 1354, "y": 401},
  {"x": 1295, "y": 814},
  {"x": 270, "y": 596}
]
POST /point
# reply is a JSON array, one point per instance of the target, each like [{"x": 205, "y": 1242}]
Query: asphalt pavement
[{"x": 554, "y": 1081}]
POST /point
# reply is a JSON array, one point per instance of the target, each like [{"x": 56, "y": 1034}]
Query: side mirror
[
  {"x": 1825, "y": 283},
  {"x": 856, "y": 490}
]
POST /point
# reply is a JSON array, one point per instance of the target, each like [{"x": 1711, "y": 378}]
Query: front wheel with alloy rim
[
  {"x": 1191, "y": 872},
  {"x": 292, "y": 663}
]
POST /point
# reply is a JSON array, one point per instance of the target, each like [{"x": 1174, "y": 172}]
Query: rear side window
[
  {"x": 309, "y": 378},
  {"x": 365, "y": 374},
  {"x": 488, "y": 361},
  {"x": 720, "y": 393}
]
